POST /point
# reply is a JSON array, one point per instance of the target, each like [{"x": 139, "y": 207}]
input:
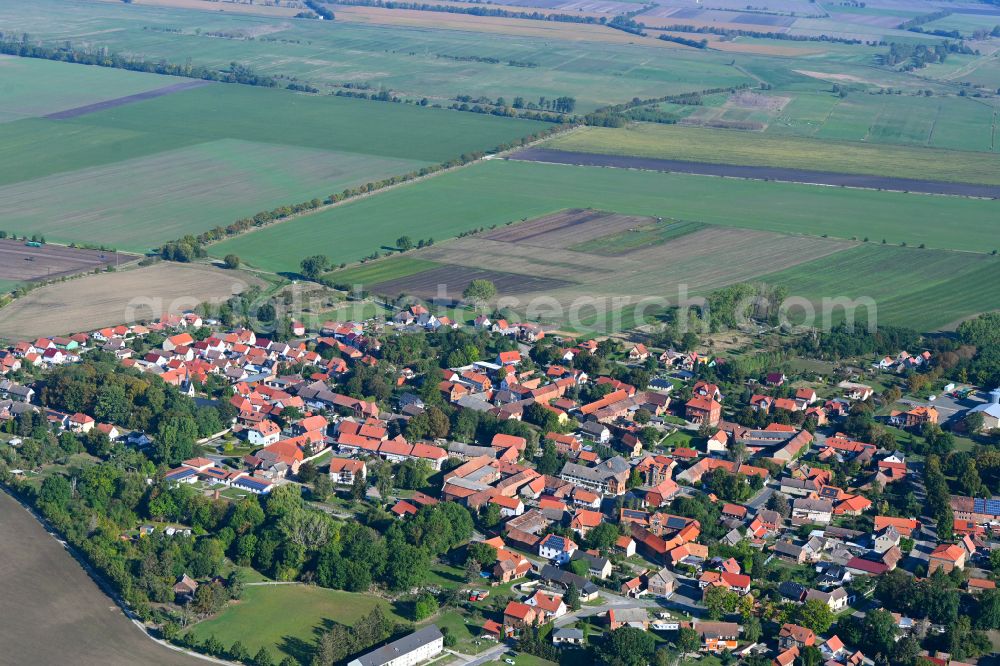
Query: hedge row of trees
[
  {"x": 475, "y": 11},
  {"x": 189, "y": 247},
  {"x": 728, "y": 32},
  {"x": 237, "y": 73},
  {"x": 915, "y": 56},
  {"x": 616, "y": 115},
  {"x": 695, "y": 43}
]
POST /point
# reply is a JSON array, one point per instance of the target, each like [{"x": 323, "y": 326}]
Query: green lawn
[
  {"x": 524, "y": 659},
  {"x": 749, "y": 148},
  {"x": 285, "y": 618},
  {"x": 500, "y": 191},
  {"x": 454, "y": 624},
  {"x": 678, "y": 438}
]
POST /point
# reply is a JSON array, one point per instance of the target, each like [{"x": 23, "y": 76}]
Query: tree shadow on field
[
  {"x": 297, "y": 649},
  {"x": 404, "y": 608}
]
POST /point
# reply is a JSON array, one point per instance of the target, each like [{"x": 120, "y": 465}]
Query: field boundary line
[{"x": 387, "y": 188}]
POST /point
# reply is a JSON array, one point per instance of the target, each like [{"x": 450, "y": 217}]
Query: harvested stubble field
[
  {"x": 54, "y": 613},
  {"x": 754, "y": 149},
  {"x": 93, "y": 301},
  {"x": 20, "y": 263},
  {"x": 566, "y": 228},
  {"x": 537, "y": 261},
  {"x": 702, "y": 260},
  {"x": 500, "y": 191},
  {"x": 515, "y": 27}
]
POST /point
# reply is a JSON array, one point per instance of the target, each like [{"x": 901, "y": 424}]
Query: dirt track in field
[
  {"x": 53, "y": 613},
  {"x": 78, "y": 111},
  {"x": 781, "y": 174},
  {"x": 93, "y": 301}
]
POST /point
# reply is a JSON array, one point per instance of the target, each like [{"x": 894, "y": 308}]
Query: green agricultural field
[
  {"x": 727, "y": 147},
  {"x": 413, "y": 61},
  {"x": 392, "y": 268},
  {"x": 964, "y": 23},
  {"x": 500, "y": 191},
  {"x": 154, "y": 199},
  {"x": 136, "y": 175},
  {"x": 285, "y": 618},
  {"x": 923, "y": 289},
  {"x": 39, "y": 87}
]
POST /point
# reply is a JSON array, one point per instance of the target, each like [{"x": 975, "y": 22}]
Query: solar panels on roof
[
  {"x": 254, "y": 484},
  {"x": 988, "y": 506},
  {"x": 180, "y": 474}
]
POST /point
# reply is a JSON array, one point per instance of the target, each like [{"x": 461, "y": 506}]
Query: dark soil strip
[
  {"x": 759, "y": 173},
  {"x": 129, "y": 99},
  {"x": 448, "y": 282},
  {"x": 547, "y": 225}
]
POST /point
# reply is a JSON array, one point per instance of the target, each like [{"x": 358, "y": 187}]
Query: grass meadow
[
  {"x": 285, "y": 618},
  {"x": 729, "y": 147},
  {"x": 501, "y": 191}
]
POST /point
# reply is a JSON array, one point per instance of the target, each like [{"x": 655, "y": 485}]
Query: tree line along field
[
  {"x": 756, "y": 149},
  {"x": 501, "y": 191},
  {"x": 136, "y": 175},
  {"x": 35, "y": 88},
  {"x": 440, "y": 61},
  {"x": 432, "y": 60}
]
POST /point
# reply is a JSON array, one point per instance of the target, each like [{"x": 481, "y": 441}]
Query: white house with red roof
[
  {"x": 81, "y": 423},
  {"x": 264, "y": 433}
]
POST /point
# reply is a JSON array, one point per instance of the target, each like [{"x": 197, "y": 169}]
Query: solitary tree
[
  {"x": 231, "y": 261},
  {"x": 480, "y": 291},
  {"x": 313, "y": 267},
  {"x": 404, "y": 243}
]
